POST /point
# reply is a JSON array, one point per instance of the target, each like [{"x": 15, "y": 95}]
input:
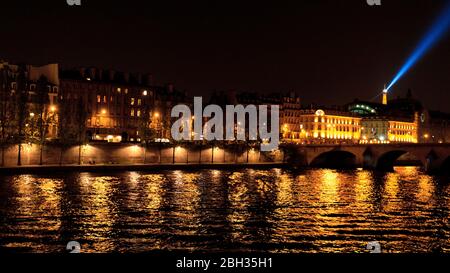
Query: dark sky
[{"x": 329, "y": 51}]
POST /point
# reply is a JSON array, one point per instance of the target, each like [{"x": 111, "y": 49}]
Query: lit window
[
  {"x": 119, "y": 90},
  {"x": 104, "y": 99},
  {"x": 132, "y": 101},
  {"x": 139, "y": 102},
  {"x": 139, "y": 113},
  {"x": 99, "y": 99},
  {"x": 132, "y": 112}
]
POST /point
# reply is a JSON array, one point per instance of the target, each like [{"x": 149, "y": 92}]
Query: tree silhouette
[
  {"x": 68, "y": 125},
  {"x": 21, "y": 100},
  {"x": 7, "y": 110},
  {"x": 42, "y": 113}
]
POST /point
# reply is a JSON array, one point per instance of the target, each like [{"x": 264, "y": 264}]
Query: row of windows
[
  {"x": 338, "y": 129},
  {"x": 104, "y": 99},
  {"x": 135, "y": 113},
  {"x": 51, "y": 89},
  {"x": 404, "y": 127},
  {"x": 401, "y": 133}
]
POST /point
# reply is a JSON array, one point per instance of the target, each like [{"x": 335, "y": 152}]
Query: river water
[{"x": 276, "y": 211}]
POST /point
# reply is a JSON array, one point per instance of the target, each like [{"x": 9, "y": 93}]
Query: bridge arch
[
  {"x": 335, "y": 160},
  {"x": 369, "y": 159},
  {"x": 387, "y": 160}
]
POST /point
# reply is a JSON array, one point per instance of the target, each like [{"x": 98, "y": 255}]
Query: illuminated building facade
[
  {"x": 121, "y": 107},
  {"x": 327, "y": 127},
  {"x": 289, "y": 103},
  {"x": 403, "y": 119},
  {"x": 291, "y": 111},
  {"x": 29, "y": 99},
  {"x": 434, "y": 127},
  {"x": 383, "y": 131}
]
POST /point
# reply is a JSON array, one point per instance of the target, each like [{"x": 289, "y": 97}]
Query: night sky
[{"x": 330, "y": 52}]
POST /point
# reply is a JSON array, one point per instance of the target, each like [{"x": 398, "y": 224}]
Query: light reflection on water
[{"x": 249, "y": 210}]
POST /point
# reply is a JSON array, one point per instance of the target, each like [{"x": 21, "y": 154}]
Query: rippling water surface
[{"x": 249, "y": 210}]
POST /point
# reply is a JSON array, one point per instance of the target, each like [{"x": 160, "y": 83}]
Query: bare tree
[
  {"x": 21, "y": 101},
  {"x": 7, "y": 110},
  {"x": 146, "y": 132},
  {"x": 68, "y": 126},
  {"x": 81, "y": 115},
  {"x": 43, "y": 117}
]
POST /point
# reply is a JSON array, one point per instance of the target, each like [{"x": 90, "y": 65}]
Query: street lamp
[{"x": 156, "y": 116}]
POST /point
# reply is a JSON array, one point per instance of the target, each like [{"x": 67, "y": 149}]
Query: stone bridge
[{"x": 434, "y": 157}]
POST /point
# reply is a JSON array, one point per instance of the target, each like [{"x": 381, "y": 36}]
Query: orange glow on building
[
  {"x": 329, "y": 127},
  {"x": 384, "y": 131}
]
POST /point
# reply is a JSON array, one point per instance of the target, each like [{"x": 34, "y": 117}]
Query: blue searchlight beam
[{"x": 433, "y": 35}]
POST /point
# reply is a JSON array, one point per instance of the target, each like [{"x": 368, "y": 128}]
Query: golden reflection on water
[
  {"x": 187, "y": 192},
  {"x": 390, "y": 194},
  {"x": 37, "y": 201},
  {"x": 97, "y": 205},
  {"x": 286, "y": 192},
  {"x": 153, "y": 191},
  {"x": 275, "y": 210},
  {"x": 426, "y": 190},
  {"x": 363, "y": 188},
  {"x": 238, "y": 199},
  {"x": 329, "y": 184}
]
